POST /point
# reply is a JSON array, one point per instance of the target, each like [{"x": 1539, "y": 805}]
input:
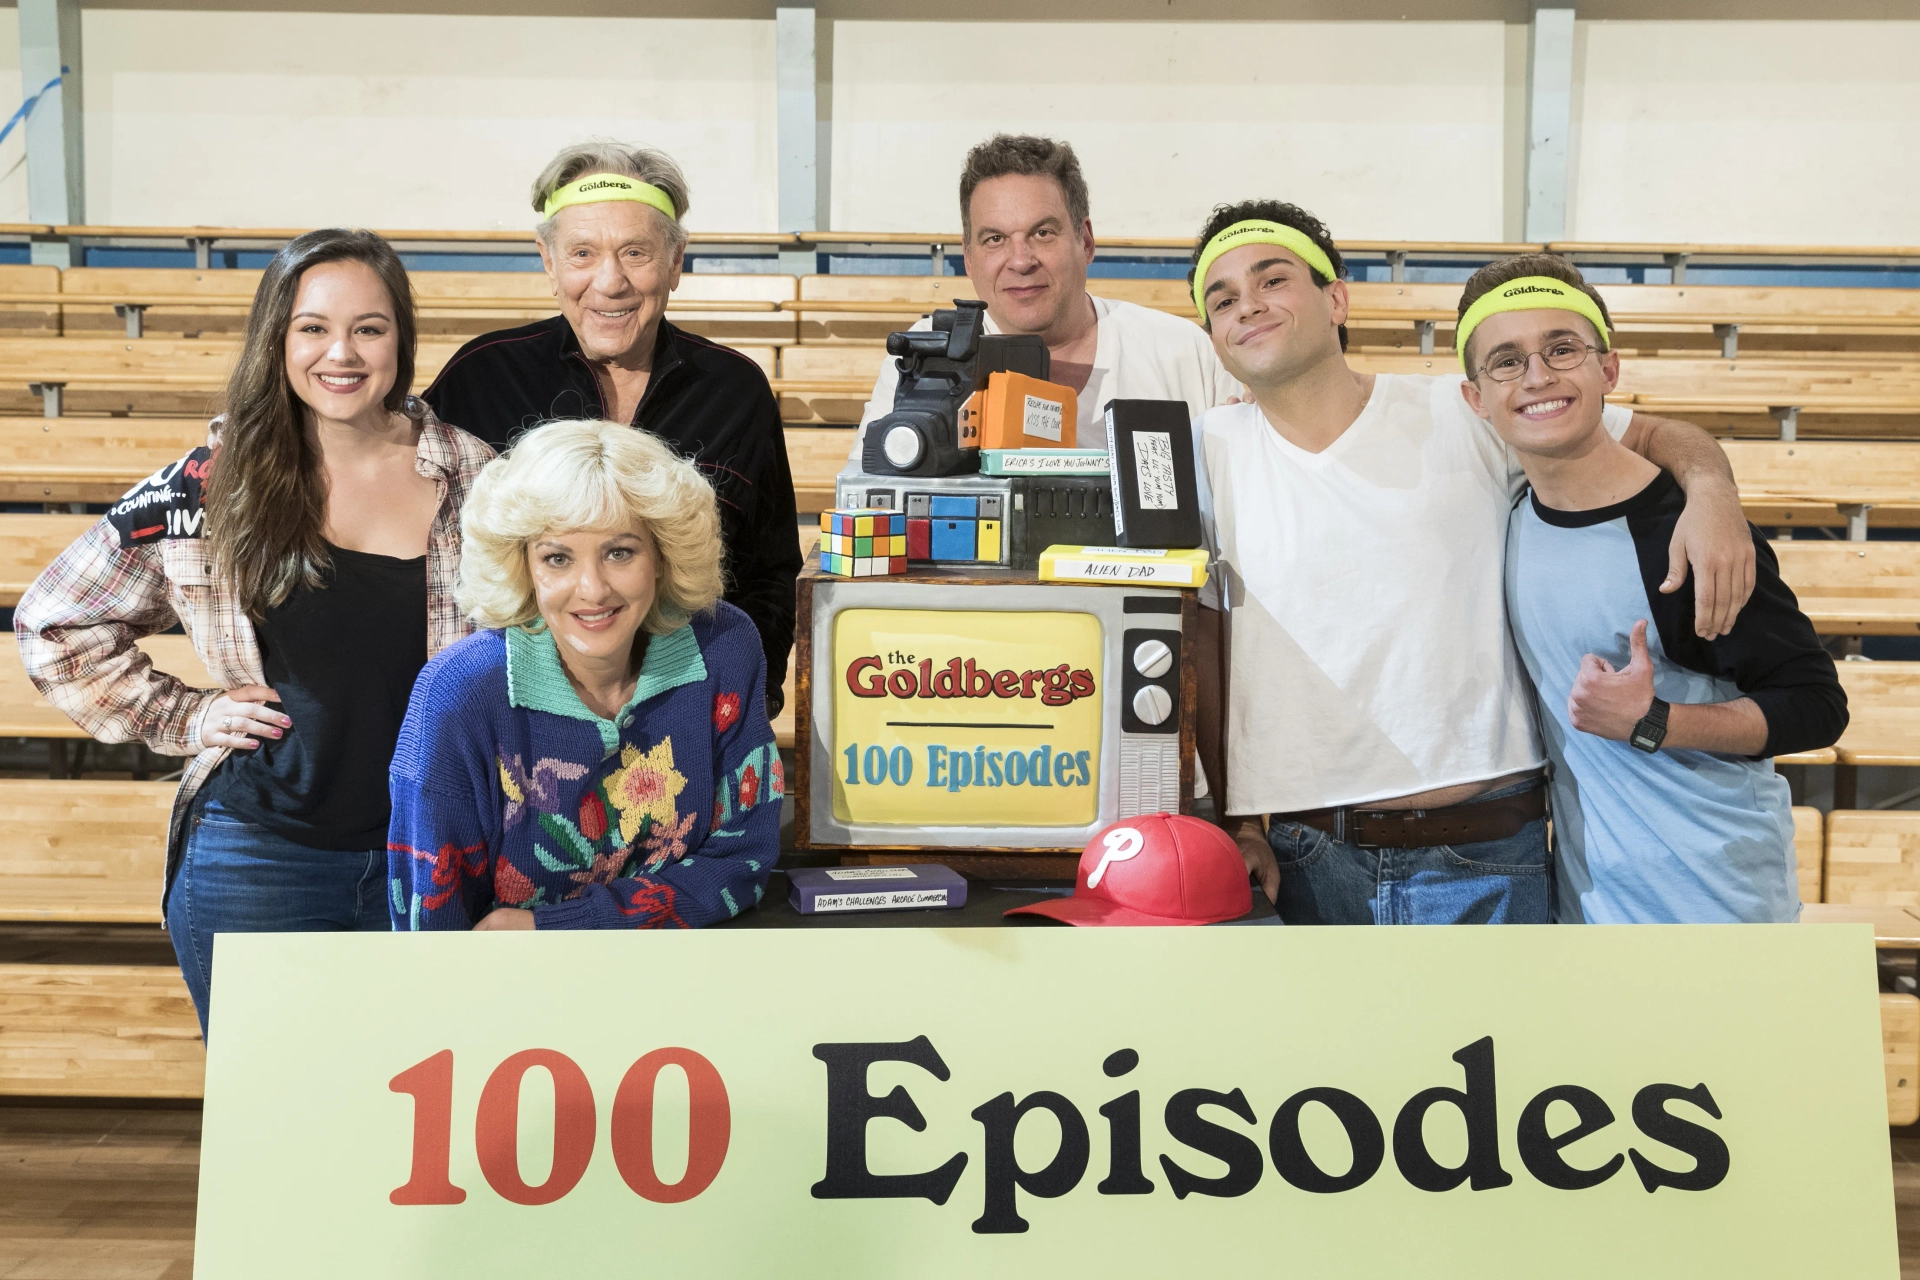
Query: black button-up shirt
[{"x": 709, "y": 402}]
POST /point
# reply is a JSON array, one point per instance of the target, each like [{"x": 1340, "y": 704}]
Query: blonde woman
[
  {"x": 599, "y": 756},
  {"x": 309, "y": 551}
]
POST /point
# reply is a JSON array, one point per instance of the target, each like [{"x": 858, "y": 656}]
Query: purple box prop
[{"x": 824, "y": 890}]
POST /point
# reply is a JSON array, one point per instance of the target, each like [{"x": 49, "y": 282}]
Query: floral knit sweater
[{"x": 509, "y": 792}]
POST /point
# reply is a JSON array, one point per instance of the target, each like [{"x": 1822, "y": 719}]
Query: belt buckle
[
  {"x": 1403, "y": 816},
  {"x": 1366, "y": 815}
]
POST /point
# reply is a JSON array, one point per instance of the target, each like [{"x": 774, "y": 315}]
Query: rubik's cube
[{"x": 863, "y": 542}]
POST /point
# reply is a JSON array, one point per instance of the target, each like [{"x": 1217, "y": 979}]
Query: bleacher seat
[
  {"x": 229, "y": 295},
  {"x": 1873, "y": 857},
  {"x": 28, "y": 544},
  {"x": 1855, "y": 588},
  {"x": 1827, "y": 482},
  {"x": 816, "y": 455},
  {"x": 1883, "y": 699},
  {"x": 1809, "y": 850},
  {"x": 98, "y": 1030},
  {"x": 1900, "y": 1050},
  {"x": 83, "y": 851},
  {"x": 73, "y": 459},
  {"x": 20, "y": 319}
]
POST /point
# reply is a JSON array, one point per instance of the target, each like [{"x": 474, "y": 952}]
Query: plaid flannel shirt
[{"x": 78, "y": 623}]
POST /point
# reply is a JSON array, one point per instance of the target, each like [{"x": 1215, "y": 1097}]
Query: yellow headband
[
  {"x": 1258, "y": 231},
  {"x": 596, "y": 187},
  {"x": 1529, "y": 293}
]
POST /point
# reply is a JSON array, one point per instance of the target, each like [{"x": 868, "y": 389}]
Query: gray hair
[{"x": 603, "y": 155}]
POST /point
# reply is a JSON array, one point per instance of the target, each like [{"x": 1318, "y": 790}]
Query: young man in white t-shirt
[
  {"x": 1029, "y": 238},
  {"x": 1377, "y": 721}
]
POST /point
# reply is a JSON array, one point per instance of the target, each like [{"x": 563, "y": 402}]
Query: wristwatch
[{"x": 1652, "y": 729}]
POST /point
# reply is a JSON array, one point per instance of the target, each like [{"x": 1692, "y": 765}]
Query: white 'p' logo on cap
[{"x": 1122, "y": 843}]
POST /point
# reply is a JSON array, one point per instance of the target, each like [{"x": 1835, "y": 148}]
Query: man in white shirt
[
  {"x": 1029, "y": 238},
  {"x": 1377, "y": 720}
]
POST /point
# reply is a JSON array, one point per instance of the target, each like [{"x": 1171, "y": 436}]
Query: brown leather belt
[{"x": 1471, "y": 823}]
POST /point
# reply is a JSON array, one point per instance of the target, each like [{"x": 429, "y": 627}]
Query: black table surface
[{"x": 987, "y": 900}]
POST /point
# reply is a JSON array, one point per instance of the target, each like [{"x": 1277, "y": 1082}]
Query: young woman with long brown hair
[{"x": 309, "y": 550}]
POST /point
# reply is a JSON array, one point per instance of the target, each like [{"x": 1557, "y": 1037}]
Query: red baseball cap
[{"x": 1158, "y": 869}]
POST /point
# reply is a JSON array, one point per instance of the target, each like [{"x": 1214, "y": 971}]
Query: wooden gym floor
[{"x": 107, "y": 1193}]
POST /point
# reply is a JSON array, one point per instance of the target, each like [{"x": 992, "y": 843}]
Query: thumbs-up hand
[{"x": 1608, "y": 703}]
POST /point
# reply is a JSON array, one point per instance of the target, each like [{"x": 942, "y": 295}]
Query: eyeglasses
[{"x": 1562, "y": 355}]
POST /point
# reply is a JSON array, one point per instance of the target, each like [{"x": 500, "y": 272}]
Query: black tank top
[{"x": 343, "y": 659}]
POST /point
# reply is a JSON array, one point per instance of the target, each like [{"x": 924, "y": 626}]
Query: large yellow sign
[
  {"x": 965, "y": 718},
  {"x": 923, "y": 1104}
]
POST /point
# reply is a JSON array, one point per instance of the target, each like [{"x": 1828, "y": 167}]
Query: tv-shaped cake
[{"x": 983, "y": 716}]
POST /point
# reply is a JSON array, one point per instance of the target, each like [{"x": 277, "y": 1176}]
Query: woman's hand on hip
[
  {"x": 240, "y": 717},
  {"x": 504, "y": 918}
]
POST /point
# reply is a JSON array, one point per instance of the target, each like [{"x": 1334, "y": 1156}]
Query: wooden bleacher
[
  {"x": 1870, "y": 874},
  {"x": 1873, "y": 857},
  {"x": 1650, "y": 320},
  {"x": 91, "y": 853},
  {"x": 452, "y": 305},
  {"x": 829, "y": 383},
  {"x": 1827, "y": 482},
  {"x": 77, "y": 459},
  {"x": 1809, "y": 852},
  {"x": 1855, "y": 588},
  {"x": 167, "y": 377},
  {"x": 22, "y": 319},
  {"x": 28, "y": 544},
  {"x": 83, "y": 851},
  {"x": 820, "y": 338},
  {"x": 1883, "y": 699},
  {"x": 815, "y": 455},
  {"x": 98, "y": 1030}
]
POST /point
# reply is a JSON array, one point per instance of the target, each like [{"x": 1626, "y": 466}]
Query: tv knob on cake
[
  {"x": 904, "y": 447},
  {"x": 1152, "y": 704},
  {"x": 1152, "y": 659}
]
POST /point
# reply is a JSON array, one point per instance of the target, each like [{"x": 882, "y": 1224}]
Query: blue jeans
[
  {"x": 240, "y": 878},
  {"x": 1328, "y": 881}
]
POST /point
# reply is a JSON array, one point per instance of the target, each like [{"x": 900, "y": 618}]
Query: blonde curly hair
[{"x": 579, "y": 474}]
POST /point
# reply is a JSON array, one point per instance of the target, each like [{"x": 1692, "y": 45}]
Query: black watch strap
[{"x": 1652, "y": 729}]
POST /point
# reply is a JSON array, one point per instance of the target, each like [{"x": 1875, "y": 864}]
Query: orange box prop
[{"x": 1020, "y": 412}]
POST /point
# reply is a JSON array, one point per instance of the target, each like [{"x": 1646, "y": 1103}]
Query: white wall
[
  {"x": 13, "y": 152},
  {"x": 1747, "y": 132},
  {"x": 399, "y": 121},
  {"x": 1386, "y": 130},
  {"x": 1719, "y": 131}
]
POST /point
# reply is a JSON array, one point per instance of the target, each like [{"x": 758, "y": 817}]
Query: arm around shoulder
[{"x": 1777, "y": 660}]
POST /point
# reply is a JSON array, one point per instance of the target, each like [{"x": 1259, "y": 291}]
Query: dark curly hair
[{"x": 1287, "y": 215}]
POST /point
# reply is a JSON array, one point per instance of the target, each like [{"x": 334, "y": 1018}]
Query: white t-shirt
[
  {"x": 1370, "y": 654},
  {"x": 1139, "y": 354}
]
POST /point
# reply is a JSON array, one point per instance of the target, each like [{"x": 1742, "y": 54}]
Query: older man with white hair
[{"x": 611, "y": 241}]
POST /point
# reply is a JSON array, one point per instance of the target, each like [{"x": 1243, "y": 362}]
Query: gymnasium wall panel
[
  {"x": 1742, "y": 132},
  {"x": 13, "y": 152},
  {"x": 1386, "y": 130},
  {"x": 395, "y": 120}
]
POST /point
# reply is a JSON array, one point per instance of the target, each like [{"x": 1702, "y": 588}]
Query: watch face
[{"x": 1644, "y": 742}]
